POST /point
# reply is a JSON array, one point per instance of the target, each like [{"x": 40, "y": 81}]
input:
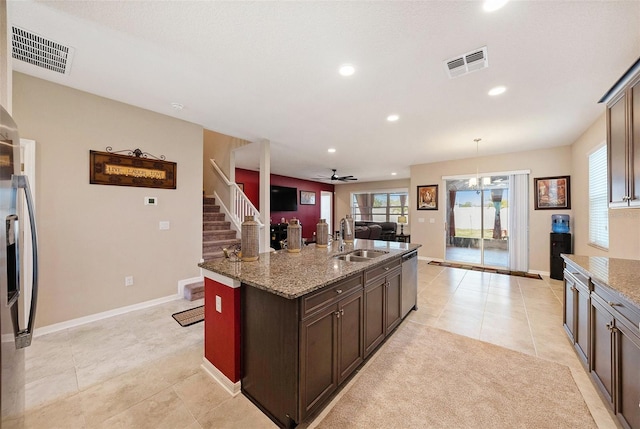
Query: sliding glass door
[{"x": 477, "y": 230}]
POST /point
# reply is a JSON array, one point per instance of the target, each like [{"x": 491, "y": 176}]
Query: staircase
[
  {"x": 216, "y": 231},
  {"x": 216, "y": 234}
]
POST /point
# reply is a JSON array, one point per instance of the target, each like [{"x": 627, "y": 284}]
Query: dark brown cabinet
[
  {"x": 602, "y": 348},
  {"x": 628, "y": 360},
  {"x": 331, "y": 348},
  {"x": 383, "y": 304},
  {"x": 607, "y": 338},
  {"x": 576, "y": 312},
  {"x": 623, "y": 140},
  {"x": 393, "y": 306},
  {"x": 297, "y": 352}
]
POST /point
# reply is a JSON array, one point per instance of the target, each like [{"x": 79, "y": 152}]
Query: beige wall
[
  {"x": 219, "y": 147},
  {"x": 541, "y": 163},
  {"x": 5, "y": 60},
  {"x": 624, "y": 224},
  {"x": 92, "y": 236},
  {"x": 342, "y": 204}
]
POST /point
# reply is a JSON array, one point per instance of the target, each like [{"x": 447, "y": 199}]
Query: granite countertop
[
  {"x": 620, "y": 275},
  {"x": 292, "y": 275}
]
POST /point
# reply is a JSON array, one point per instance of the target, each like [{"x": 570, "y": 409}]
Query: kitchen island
[{"x": 291, "y": 328}]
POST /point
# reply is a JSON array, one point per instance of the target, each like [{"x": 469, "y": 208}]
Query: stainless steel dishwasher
[{"x": 409, "y": 282}]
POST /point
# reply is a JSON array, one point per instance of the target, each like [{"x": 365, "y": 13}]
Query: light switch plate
[
  {"x": 218, "y": 304},
  {"x": 432, "y": 220},
  {"x": 164, "y": 225},
  {"x": 420, "y": 220}
]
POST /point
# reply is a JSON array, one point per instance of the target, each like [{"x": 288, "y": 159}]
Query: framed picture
[
  {"x": 428, "y": 197},
  {"x": 552, "y": 192},
  {"x": 308, "y": 198}
]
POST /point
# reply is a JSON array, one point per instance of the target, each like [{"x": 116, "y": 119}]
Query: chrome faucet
[
  {"x": 344, "y": 225},
  {"x": 340, "y": 240}
]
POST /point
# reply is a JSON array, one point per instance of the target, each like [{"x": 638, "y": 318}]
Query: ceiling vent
[
  {"x": 467, "y": 63},
  {"x": 34, "y": 49}
]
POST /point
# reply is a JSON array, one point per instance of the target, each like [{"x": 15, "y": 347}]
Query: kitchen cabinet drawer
[
  {"x": 329, "y": 295},
  {"x": 618, "y": 304},
  {"x": 381, "y": 270}
]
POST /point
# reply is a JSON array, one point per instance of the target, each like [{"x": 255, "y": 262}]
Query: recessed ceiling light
[
  {"x": 393, "y": 118},
  {"x": 347, "y": 70},
  {"x": 394, "y": 173},
  {"x": 493, "y": 5},
  {"x": 331, "y": 150},
  {"x": 497, "y": 90},
  {"x": 177, "y": 106}
]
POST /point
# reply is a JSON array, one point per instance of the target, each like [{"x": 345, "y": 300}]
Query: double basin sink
[{"x": 360, "y": 255}]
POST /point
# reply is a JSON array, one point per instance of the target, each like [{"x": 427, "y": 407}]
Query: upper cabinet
[{"x": 623, "y": 139}]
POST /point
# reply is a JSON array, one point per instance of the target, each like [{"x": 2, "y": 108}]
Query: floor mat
[
  {"x": 486, "y": 270},
  {"x": 189, "y": 317}
]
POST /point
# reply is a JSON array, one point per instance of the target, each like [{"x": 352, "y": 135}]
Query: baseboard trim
[
  {"x": 103, "y": 315},
  {"x": 232, "y": 388},
  {"x": 542, "y": 273},
  {"x": 428, "y": 259},
  {"x": 183, "y": 283}
]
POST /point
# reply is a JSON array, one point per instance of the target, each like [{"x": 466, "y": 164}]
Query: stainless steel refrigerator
[{"x": 15, "y": 338}]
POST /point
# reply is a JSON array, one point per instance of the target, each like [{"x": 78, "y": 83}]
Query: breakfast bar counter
[
  {"x": 289, "y": 329},
  {"x": 292, "y": 275}
]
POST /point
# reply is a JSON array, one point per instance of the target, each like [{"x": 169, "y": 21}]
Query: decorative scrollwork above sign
[
  {"x": 133, "y": 169},
  {"x": 136, "y": 152}
]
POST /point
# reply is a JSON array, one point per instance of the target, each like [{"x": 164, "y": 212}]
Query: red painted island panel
[{"x": 222, "y": 329}]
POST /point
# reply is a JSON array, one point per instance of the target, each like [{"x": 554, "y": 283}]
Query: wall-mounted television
[{"x": 284, "y": 199}]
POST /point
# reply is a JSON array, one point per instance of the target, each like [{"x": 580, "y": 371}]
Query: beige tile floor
[{"x": 142, "y": 370}]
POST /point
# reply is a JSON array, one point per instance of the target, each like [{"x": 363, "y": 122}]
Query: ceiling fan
[{"x": 334, "y": 177}]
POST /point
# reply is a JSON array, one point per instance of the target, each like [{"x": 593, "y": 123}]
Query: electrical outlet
[
  {"x": 218, "y": 304},
  {"x": 128, "y": 281}
]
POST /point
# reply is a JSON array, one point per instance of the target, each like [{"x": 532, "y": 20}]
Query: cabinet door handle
[
  {"x": 612, "y": 304},
  {"x": 386, "y": 268},
  {"x": 573, "y": 288},
  {"x": 337, "y": 313},
  {"x": 342, "y": 312},
  {"x": 338, "y": 291}
]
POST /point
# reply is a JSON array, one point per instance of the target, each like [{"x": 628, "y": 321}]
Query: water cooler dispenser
[{"x": 560, "y": 243}]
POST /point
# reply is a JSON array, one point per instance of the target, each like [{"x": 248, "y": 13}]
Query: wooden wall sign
[{"x": 134, "y": 169}]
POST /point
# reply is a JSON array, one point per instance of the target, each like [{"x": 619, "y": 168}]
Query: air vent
[
  {"x": 466, "y": 63},
  {"x": 41, "y": 52}
]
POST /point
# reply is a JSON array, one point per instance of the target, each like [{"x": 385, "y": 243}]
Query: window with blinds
[
  {"x": 598, "y": 199},
  {"x": 380, "y": 206}
]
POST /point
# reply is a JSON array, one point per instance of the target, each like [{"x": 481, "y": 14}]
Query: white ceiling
[{"x": 268, "y": 70}]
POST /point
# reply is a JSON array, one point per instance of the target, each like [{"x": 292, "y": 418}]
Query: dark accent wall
[{"x": 307, "y": 214}]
